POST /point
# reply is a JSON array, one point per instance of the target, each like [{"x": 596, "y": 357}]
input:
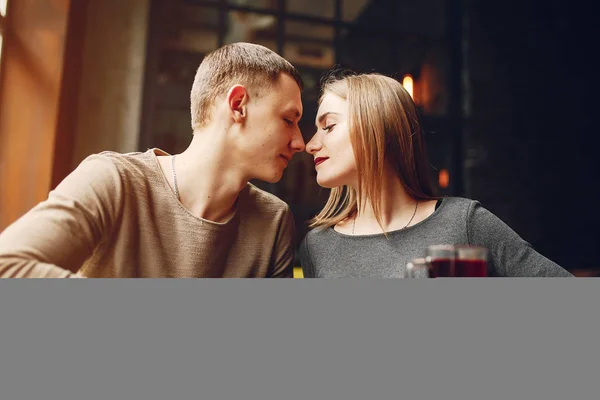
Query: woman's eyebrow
[{"x": 321, "y": 117}]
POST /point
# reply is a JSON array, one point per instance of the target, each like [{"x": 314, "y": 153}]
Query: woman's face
[{"x": 331, "y": 146}]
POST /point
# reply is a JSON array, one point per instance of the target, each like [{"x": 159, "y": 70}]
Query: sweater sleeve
[
  {"x": 509, "y": 254},
  {"x": 55, "y": 237},
  {"x": 283, "y": 257}
]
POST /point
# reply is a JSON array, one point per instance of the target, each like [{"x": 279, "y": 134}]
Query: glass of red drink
[
  {"x": 417, "y": 268},
  {"x": 440, "y": 258},
  {"x": 471, "y": 261}
]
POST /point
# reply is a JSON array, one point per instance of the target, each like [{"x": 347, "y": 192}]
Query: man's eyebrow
[
  {"x": 324, "y": 115},
  {"x": 295, "y": 111}
]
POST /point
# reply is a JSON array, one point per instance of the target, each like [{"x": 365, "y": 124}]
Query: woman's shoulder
[
  {"x": 477, "y": 217},
  {"x": 314, "y": 244},
  {"x": 456, "y": 206},
  {"x": 456, "y": 201},
  {"x": 319, "y": 233},
  {"x": 320, "y": 239}
]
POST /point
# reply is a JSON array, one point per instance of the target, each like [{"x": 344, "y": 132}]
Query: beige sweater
[{"x": 117, "y": 216}]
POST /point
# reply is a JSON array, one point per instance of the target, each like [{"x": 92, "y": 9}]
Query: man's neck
[{"x": 208, "y": 182}]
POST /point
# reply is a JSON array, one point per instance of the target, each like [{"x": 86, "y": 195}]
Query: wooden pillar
[
  {"x": 112, "y": 72},
  {"x": 70, "y": 85},
  {"x": 30, "y": 88}
]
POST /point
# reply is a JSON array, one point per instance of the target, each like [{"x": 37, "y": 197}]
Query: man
[{"x": 194, "y": 214}]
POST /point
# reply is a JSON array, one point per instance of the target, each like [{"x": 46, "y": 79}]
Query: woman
[{"x": 382, "y": 211}]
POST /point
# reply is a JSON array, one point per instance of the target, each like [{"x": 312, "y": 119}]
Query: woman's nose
[{"x": 314, "y": 144}]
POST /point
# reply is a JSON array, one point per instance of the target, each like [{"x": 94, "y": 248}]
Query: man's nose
[{"x": 297, "y": 143}]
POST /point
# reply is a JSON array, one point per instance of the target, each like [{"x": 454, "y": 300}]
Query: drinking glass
[
  {"x": 471, "y": 261},
  {"x": 417, "y": 268},
  {"x": 441, "y": 259}
]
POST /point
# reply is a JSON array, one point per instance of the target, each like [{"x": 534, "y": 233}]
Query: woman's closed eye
[
  {"x": 329, "y": 127},
  {"x": 288, "y": 122}
]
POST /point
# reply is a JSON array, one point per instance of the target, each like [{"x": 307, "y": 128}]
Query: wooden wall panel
[{"x": 30, "y": 86}]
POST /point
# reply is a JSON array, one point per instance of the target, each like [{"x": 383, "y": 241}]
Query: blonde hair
[
  {"x": 385, "y": 132},
  {"x": 251, "y": 65}
]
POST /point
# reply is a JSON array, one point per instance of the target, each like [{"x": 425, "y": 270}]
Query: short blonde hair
[
  {"x": 384, "y": 131},
  {"x": 251, "y": 65}
]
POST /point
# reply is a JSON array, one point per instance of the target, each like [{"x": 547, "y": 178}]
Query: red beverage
[
  {"x": 441, "y": 268},
  {"x": 471, "y": 268}
]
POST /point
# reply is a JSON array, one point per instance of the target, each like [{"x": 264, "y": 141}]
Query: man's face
[{"x": 272, "y": 131}]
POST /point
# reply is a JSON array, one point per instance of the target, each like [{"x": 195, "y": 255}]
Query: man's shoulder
[
  {"x": 262, "y": 200},
  {"x": 116, "y": 159},
  {"x": 125, "y": 160},
  {"x": 129, "y": 166},
  {"x": 264, "y": 213}
]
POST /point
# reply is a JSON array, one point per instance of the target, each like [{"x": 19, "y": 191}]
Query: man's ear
[{"x": 237, "y": 102}]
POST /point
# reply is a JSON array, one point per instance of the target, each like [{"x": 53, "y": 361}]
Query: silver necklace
[
  {"x": 174, "y": 177},
  {"x": 405, "y": 226}
]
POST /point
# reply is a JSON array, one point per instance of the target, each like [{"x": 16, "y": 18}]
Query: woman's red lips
[{"x": 319, "y": 160}]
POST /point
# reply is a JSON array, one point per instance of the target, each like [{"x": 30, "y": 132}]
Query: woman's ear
[{"x": 237, "y": 101}]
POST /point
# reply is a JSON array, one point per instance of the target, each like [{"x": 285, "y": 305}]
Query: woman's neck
[
  {"x": 398, "y": 210},
  {"x": 395, "y": 208}
]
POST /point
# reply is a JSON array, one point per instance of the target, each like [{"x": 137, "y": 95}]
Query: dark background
[
  {"x": 527, "y": 149},
  {"x": 533, "y": 72},
  {"x": 512, "y": 117}
]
